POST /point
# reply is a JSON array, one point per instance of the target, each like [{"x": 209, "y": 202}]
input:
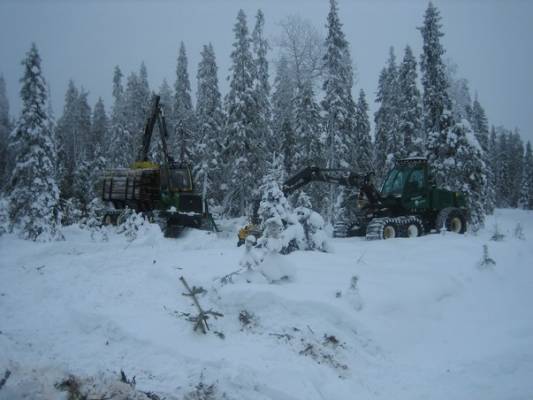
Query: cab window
[
  {"x": 394, "y": 183},
  {"x": 415, "y": 183}
]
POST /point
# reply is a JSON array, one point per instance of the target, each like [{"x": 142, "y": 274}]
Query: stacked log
[{"x": 123, "y": 184}]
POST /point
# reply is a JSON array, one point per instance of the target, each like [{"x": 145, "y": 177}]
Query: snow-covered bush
[
  {"x": 519, "y": 232},
  {"x": 70, "y": 211},
  {"x": 93, "y": 221},
  {"x": 281, "y": 231},
  {"x": 313, "y": 227},
  {"x": 250, "y": 258},
  {"x": 497, "y": 236},
  {"x": 131, "y": 224}
]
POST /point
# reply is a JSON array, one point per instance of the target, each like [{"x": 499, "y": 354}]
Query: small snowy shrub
[
  {"x": 93, "y": 221},
  {"x": 353, "y": 296},
  {"x": 519, "y": 232},
  {"x": 250, "y": 258},
  {"x": 486, "y": 262},
  {"x": 131, "y": 224},
  {"x": 70, "y": 211},
  {"x": 313, "y": 228},
  {"x": 497, "y": 236}
]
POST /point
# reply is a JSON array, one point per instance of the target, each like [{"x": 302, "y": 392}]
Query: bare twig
[
  {"x": 200, "y": 321},
  {"x": 3, "y": 381}
]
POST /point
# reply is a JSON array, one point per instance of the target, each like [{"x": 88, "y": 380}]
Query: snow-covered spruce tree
[
  {"x": 515, "y": 159},
  {"x": 410, "y": 108},
  {"x": 469, "y": 172},
  {"x": 526, "y": 192},
  {"x": 480, "y": 127},
  {"x": 363, "y": 142},
  {"x": 114, "y": 145},
  {"x": 281, "y": 231},
  {"x": 209, "y": 168},
  {"x": 241, "y": 153},
  {"x": 185, "y": 129},
  {"x": 308, "y": 131},
  {"x": 502, "y": 169},
  {"x": 68, "y": 140},
  {"x": 436, "y": 104},
  {"x": 5, "y": 129},
  {"x": 338, "y": 104},
  {"x": 307, "y": 128},
  {"x": 34, "y": 196},
  {"x": 492, "y": 163},
  {"x": 388, "y": 142},
  {"x": 284, "y": 137},
  {"x": 260, "y": 48}
]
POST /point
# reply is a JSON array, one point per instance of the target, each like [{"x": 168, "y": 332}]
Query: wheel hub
[{"x": 389, "y": 232}]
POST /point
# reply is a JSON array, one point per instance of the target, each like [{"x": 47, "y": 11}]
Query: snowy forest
[{"x": 302, "y": 109}]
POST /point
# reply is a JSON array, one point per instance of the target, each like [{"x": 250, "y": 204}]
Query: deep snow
[{"x": 423, "y": 322}]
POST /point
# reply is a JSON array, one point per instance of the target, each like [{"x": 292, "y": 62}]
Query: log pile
[{"x": 130, "y": 184}]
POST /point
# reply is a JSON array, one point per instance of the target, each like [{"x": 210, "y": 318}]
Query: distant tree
[
  {"x": 437, "y": 107},
  {"x": 515, "y": 159},
  {"x": 260, "y": 48},
  {"x": 409, "y": 108},
  {"x": 185, "y": 120},
  {"x": 209, "y": 168},
  {"x": 5, "y": 129},
  {"x": 68, "y": 140},
  {"x": 302, "y": 46},
  {"x": 525, "y": 200},
  {"x": 284, "y": 140},
  {"x": 480, "y": 126},
  {"x": 117, "y": 135},
  {"x": 34, "y": 196},
  {"x": 241, "y": 151},
  {"x": 363, "y": 143}
]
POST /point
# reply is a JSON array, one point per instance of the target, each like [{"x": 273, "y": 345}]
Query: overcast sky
[{"x": 490, "y": 40}]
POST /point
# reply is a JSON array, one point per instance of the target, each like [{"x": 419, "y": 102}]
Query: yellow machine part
[
  {"x": 245, "y": 231},
  {"x": 144, "y": 165}
]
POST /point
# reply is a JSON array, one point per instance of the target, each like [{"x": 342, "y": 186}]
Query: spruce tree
[
  {"x": 388, "y": 142},
  {"x": 526, "y": 191},
  {"x": 209, "y": 169},
  {"x": 261, "y": 85},
  {"x": 5, "y": 129},
  {"x": 503, "y": 173},
  {"x": 115, "y": 153},
  {"x": 515, "y": 159},
  {"x": 241, "y": 144},
  {"x": 284, "y": 140},
  {"x": 34, "y": 196},
  {"x": 437, "y": 107},
  {"x": 185, "y": 129},
  {"x": 67, "y": 134},
  {"x": 363, "y": 142},
  {"x": 480, "y": 127},
  {"x": 410, "y": 108},
  {"x": 338, "y": 104}
]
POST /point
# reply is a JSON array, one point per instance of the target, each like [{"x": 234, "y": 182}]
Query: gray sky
[{"x": 490, "y": 41}]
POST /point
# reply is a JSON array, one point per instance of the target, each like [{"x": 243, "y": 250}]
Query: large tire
[
  {"x": 382, "y": 228},
  {"x": 412, "y": 227},
  {"x": 452, "y": 219}
]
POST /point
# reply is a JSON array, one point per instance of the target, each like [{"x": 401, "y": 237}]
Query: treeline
[{"x": 230, "y": 140}]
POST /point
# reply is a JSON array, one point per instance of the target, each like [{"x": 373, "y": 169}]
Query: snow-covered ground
[{"x": 424, "y": 320}]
